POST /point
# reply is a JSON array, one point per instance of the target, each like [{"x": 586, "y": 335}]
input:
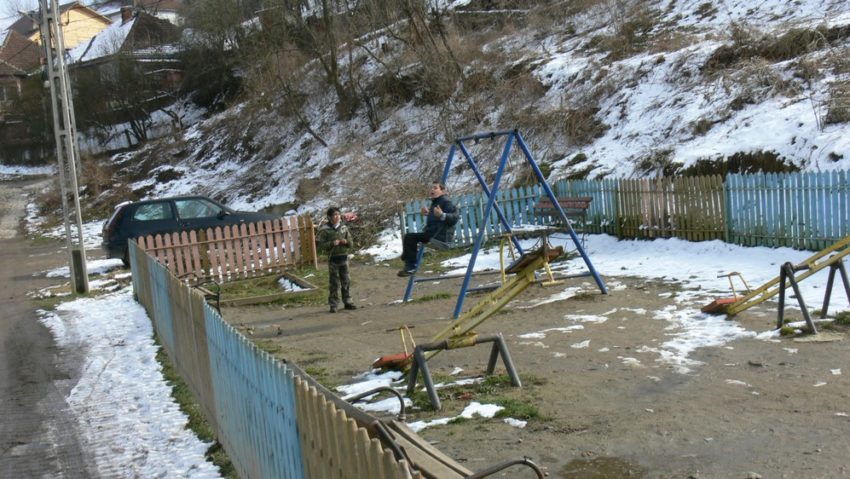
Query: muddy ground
[{"x": 615, "y": 406}]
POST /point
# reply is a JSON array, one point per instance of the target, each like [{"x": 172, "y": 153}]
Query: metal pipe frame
[
  {"x": 786, "y": 273},
  {"x": 502, "y": 466},
  {"x": 420, "y": 362}
]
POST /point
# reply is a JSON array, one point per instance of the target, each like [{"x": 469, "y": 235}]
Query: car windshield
[{"x": 196, "y": 208}]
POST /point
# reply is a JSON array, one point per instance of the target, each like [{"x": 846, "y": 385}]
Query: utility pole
[{"x": 65, "y": 134}]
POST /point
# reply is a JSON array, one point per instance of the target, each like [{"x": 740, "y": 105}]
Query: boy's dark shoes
[
  {"x": 333, "y": 309},
  {"x": 350, "y": 306},
  {"x": 404, "y": 273}
]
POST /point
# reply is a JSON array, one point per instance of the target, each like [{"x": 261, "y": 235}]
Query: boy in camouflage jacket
[{"x": 335, "y": 239}]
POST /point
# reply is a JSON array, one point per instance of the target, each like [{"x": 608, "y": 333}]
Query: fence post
[
  {"x": 727, "y": 227},
  {"x": 203, "y": 251}
]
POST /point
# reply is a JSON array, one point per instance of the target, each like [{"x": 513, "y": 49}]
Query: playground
[
  {"x": 632, "y": 372},
  {"x": 636, "y": 380}
]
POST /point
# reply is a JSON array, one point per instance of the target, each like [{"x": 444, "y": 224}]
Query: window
[
  {"x": 153, "y": 212},
  {"x": 196, "y": 208}
]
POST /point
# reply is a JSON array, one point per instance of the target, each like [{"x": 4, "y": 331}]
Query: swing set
[
  {"x": 516, "y": 277},
  {"x": 511, "y": 138}
]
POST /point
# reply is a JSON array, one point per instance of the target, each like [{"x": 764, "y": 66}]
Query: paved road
[{"x": 37, "y": 436}]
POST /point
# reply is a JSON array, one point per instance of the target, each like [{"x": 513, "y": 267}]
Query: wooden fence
[
  {"x": 270, "y": 416},
  {"x": 237, "y": 251},
  {"x": 800, "y": 210},
  {"x": 804, "y": 211}
]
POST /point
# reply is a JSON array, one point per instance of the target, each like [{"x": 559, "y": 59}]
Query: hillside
[{"x": 598, "y": 88}]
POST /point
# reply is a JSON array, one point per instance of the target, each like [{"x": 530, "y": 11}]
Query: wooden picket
[
  {"x": 237, "y": 251},
  {"x": 334, "y": 446}
]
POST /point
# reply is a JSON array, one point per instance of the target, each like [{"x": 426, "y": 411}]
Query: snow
[
  {"x": 122, "y": 404},
  {"x": 12, "y": 171},
  {"x": 107, "y": 42}
]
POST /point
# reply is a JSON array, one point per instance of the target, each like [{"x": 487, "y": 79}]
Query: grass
[
  {"x": 321, "y": 376},
  {"x": 496, "y": 389},
  {"x": 268, "y": 285},
  {"x": 197, "y": 422},
  {"x": 432, "y": 297}
]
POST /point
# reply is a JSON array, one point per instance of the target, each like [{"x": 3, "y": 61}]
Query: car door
[{"x": 152, "y": 218}]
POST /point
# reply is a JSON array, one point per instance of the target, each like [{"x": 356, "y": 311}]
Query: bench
[{"x": 575, "y": 208}]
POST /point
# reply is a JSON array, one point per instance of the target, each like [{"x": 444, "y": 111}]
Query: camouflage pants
[{"x": 338, "y": 281}]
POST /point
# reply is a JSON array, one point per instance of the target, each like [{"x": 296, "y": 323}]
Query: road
[{"x": 37, "y": 436}]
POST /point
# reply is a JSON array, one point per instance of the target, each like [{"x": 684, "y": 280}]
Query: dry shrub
[
  {"x": 741, "y": 162},
  {"x": 378, "y": 189},
  {"x": 556, "y": 12},
  {"x": 706, "y": 10},
  {"x": 806, "y": 69},
  {"x": 749, "y": 43},
  {"x": 838, "y": 105},
  {"x": 839, "y": 61},
  {"x": 660, "y": 162},
  {"x": 49, "y": 203},
  {"x": 701, "y": 126},
  {"x": 581, "y": 126},
  {"x": 518, "y": 89},
  {"x": 670, "y": 41},
  {"x": 633, "y": 24},
  {"x": 756, "y": 80},
  {"x": 393, "y": 89}
]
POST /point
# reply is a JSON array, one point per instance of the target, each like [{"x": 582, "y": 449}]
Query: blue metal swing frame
[{"x": 491, "y": 191}]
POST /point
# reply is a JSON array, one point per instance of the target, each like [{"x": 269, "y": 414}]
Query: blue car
[{"x": 167, "y": 215}]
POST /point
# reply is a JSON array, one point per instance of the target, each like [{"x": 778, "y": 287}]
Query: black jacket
[{"x": 441, "y": 229}]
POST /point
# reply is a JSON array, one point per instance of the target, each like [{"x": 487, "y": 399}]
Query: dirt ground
[{"x": 772, "y": 408}]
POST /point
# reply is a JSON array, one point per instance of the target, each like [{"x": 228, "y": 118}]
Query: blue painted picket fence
[
  {"x": 804, "y": 210},
  {"x": 798, "y": 210}
]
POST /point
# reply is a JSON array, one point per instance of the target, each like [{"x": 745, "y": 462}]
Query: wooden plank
[
  {"x": 842, "y": 204},
  {"x": 278, "y": 242},
  {"x": 299, "y": 228},
  {"x": 215, "y": 252},
  {"x": 828, "y": 212},
  {"x": 229, "y": 248},
  {"x": 243, "y": 251},
  {"x": 169, "y": 253},
  {"x": 199, "y": 253},
  {"x": 788, "y": 206},
  {"x": 361, "y": 451},
  {"x": 254, "y": 266},
  {"x": 376, "y": 461},
  {"x": 183, "y": 247},
  {"x": 285, "y": 243},
  {"x": 262, "y": 251}
]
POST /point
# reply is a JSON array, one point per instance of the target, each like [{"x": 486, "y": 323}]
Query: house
[
  {"x": 79, "y": 23},
  {"x": 123, "y": 74},
  {"x": 19, "y": 61},
  {"x": 171, "y": 10},
  {"x": 147, "y": 40}
]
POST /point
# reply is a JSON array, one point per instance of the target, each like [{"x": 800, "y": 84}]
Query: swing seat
[
  {"x": 393, "y": 362},
  {"x": 436, "y": 244},
  {"x": 718, "y": 306},
  {"x": 529, "y": 257}
]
